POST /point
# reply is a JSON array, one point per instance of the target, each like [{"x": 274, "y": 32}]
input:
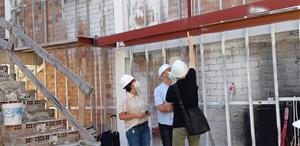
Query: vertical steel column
[
  {"x": 90, "y": 58},
  {"x": 96, "y": 87},
  {"x": 53, "y": 19},
  {"x": 67, "y": 86},
  {"x": 81, "y": 107},
  {"x": 189, "y": 8},
  {"x": 145, "y": 13},
  {"x": 225, "y": 91},
  {"x": 88, "y": 16},
  {"x": 45, "y": 80},
  {"x": 55, "y": 87},
  {"x": 148, "y": 86},
  {"x": 163, "y": 51},
  {"x": 44, "y": 8},
  {"x": 101, "y": 89},
  {"x": 179, "y": 8},
  {"x": 76, "y": 18},
  {"x": 162, "y": 14},
  {"x": 199, "y": 7},
  {"x": 251, "y": 112},
  {"x": 274, "y": 56},
  {"x": 131, "y": 60},
  {"x": 63, "y": 18},
  {"x": 203, "y": 81},
  {"x": 36, "y": 74},
  {"x": 33, "y": 19}
]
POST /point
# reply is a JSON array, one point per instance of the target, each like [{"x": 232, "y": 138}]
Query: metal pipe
[
  {"x": 203, "y": 81},
  {"x": 251, "y": 112},
  {"x": 274, "y": 56},
  {"x": 225, "y": 91}
]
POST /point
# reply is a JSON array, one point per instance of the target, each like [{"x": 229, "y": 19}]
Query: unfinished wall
[{"x": 53, "y": 21}]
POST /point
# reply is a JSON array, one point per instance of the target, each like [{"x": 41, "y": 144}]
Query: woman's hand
[{"x": 140, "y": 115}]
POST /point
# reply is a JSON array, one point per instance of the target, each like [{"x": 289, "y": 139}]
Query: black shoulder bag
[{"x": 195, "y": 121}]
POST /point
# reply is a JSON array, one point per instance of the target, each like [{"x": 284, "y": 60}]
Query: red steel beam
[
  {"x": 202, "y": 23},
  {"x": 237, "y": 24}
]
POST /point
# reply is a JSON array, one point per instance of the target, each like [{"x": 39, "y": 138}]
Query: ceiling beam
[{"x": 231, "y": 18}]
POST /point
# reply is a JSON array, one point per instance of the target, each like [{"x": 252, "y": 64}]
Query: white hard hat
[
  {"x": 125, "y": 80},
  {"x": 297, "y": 124},
  {"x": 179, "y": 69},
  {"x": 162, "y": 69}
]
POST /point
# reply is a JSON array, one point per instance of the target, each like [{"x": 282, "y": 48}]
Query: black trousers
[{"x": 166, "y": 134}]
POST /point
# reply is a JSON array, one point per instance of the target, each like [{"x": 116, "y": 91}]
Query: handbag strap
[{"x": 178, "y": 95}]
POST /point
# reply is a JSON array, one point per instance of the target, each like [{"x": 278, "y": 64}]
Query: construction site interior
[{"x": 63, "y": 59}]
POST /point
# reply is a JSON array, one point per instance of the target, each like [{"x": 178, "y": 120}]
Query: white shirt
[
  {"x": 160, "y": 93},
  {"x": 133, "y": 105}
]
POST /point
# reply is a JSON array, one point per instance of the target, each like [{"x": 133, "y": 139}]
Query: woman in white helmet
[
  {"x": 134, "y": 113},
  {"x": 187, "y": 85}
]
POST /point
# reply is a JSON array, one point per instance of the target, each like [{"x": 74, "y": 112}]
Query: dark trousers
[{"x": 166, "y": 134}]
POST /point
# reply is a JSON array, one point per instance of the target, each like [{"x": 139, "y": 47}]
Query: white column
[{"x": 120, "y": 56}]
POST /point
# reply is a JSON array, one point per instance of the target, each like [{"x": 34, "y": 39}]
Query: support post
[
  {"x": 251, "y": 112},
  {"x": 228, "y": 129},
  {"x": 203, "y": 81},
  {"x": 274, "y": 56}
]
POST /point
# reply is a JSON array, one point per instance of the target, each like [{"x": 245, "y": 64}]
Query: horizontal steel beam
[{"x": 222, "y": 20}]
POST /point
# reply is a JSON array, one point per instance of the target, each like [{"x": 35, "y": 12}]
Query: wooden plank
[
  {"x": 83, "y": 132},
  {"x": 84, "y": 86}
]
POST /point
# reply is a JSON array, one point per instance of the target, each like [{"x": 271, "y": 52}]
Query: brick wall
[{"x": 94, "y": 65}]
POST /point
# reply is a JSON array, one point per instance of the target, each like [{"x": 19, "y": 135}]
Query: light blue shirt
[{"x": 160, "y": 93}]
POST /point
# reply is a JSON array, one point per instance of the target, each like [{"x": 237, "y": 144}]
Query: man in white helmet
[
  {"x": 164, "y": 114},
  {"x": 187, "y": 85}
]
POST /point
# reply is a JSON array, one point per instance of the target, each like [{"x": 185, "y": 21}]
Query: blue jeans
[{"x": 138, "y": 136}]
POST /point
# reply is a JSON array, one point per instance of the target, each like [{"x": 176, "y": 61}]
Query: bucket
[{"x": 12, "y": 113}]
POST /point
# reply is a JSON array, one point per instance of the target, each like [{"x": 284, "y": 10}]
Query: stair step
[
  {"x": 30, "y": 104},
  {"x": 31, "y": 127},
  {"x": 44, "y": 139}
]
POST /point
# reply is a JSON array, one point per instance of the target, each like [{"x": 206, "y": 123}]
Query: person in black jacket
[{"x": 187, "y": 85}]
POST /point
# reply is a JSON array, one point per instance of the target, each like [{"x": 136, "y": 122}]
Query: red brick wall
[{"x": 96, "y": 66}]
